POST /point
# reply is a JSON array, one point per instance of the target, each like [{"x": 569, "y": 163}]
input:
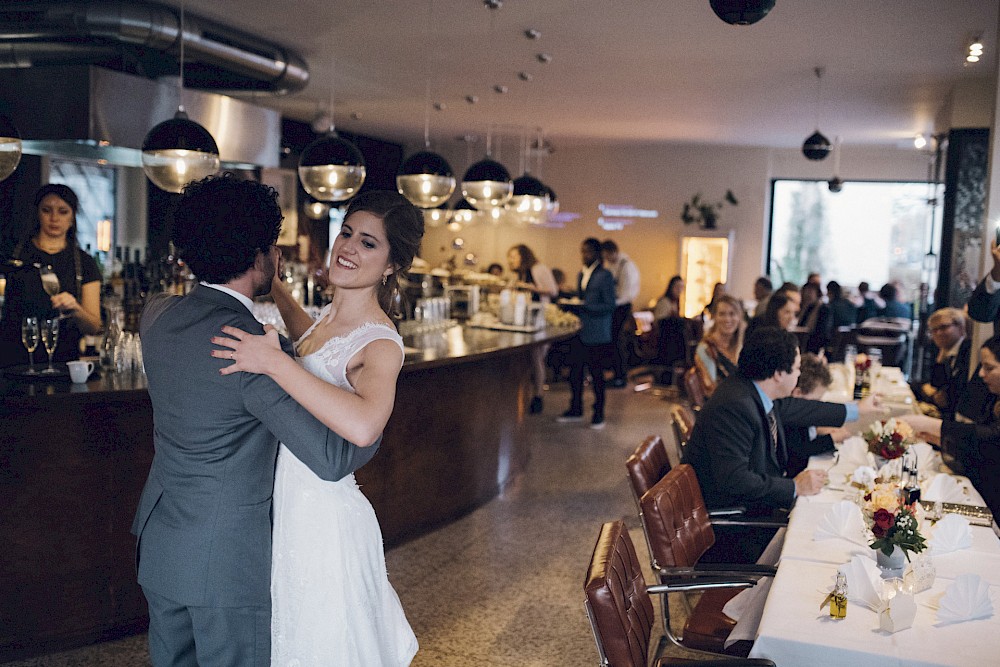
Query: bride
[{"x": 331, "y": 601}]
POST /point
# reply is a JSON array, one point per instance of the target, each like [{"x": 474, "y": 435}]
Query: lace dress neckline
[{"x": 353, "y": 333}]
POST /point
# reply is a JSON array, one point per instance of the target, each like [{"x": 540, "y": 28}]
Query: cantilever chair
[
  {"x": 678, "y": 530},
  {"x": 682, "y": 418},
  {"x": 647, "y": 465},
  {"x": 620, "y": 609},
  {"x": 694, "y": 387}
]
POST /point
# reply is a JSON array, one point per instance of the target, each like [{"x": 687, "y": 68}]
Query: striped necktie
[{"x": 772, "y": 423}]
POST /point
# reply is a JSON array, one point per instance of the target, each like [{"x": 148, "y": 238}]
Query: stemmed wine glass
[
  {"x": 50, "y": 338},
  {"x": 29, "y": 336}
]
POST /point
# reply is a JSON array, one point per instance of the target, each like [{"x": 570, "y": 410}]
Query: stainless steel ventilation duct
[{"x": 50, "y": 33}]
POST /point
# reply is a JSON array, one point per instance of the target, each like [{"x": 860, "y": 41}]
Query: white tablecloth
[{"x": 794, "y": 631}]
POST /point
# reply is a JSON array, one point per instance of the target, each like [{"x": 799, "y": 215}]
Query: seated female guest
[
  {"x": 51, "y": 242},
  {"x": 719, "y": 350},
  {"x": 843, "y": 313},
  {"x": 782, "y": 309},
  {"x": 974, "y": 447}
]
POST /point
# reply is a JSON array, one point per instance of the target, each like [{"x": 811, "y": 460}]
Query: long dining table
[{"x": 794, "y": 630}]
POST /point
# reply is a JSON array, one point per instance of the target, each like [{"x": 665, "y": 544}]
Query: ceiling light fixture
[
  {"x": 836, "y": 184},
  {"x": 741, "y": 12},
  {"x": 817, "y": 146},
  {"x": 10, "y": 147},
  {"x": 179, "y": 151},
  {"x": 331, "y": 168},
  {"x": 919, "y": 141},
  {"x": 975, "y": 51},
  {"x": 425, "y": 178}
]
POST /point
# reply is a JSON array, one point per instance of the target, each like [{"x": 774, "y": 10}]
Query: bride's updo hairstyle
[{"x": 404, "y": 228}]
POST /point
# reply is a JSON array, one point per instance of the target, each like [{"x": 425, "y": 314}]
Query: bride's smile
[{"x": 360, "y": 252}]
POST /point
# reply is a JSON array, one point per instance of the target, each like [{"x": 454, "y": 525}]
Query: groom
[{"x": 204, "y": 518}]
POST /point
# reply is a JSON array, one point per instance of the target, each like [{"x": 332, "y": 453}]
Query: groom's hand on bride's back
[{"x": 249, "y": 353}]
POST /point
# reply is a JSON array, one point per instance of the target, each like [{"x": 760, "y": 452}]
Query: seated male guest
[
  {"x": 805, "y": 441},
  {"x": 738, "y": 447},
  {"x": 950, "y": 373}
]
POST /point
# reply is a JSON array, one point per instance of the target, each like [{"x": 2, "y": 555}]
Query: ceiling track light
[
  {"x": 471, "y": 99},
  {"x": 493, "y": 4},
  {"x": 525, "y": 76},
  {"x": 974, "y": 51},
  {"x": 500, "y": 89},
  {"x": 531, "y": 33},
  {"x": 544, "y": 58}
]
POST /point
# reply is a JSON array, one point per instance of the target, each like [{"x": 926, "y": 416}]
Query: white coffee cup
[{"x": 79, "y": 371}]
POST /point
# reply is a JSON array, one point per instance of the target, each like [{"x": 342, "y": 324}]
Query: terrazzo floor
[{"x": 503, "y": 585}]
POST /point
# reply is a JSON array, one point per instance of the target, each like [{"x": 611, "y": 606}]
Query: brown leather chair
[
  {"x": 620, "y": 609},
  {"x": 682, "y": 418},
  {"x": 648, "y": 464},
  {"x": 694, "y": 387},
  {"x": 679, "y": 531}
]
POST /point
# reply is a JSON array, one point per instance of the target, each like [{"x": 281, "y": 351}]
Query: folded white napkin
[
  {"x": 843, "y": 520},
  {"x": 928, "y": 460},
  {"x": 864, "y": 476},
  {"x": 951, "y": 534},
  {"x": 854, "y": 452},
  {"x": 966, "y": 599},
  {"x": 864, "y": 582},
  {"x": 946, "y": 489},
  {"x": 891, "y": 468}
]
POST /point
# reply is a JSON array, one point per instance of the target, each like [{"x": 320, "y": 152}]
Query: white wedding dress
[{"x": 331, "y": 601}]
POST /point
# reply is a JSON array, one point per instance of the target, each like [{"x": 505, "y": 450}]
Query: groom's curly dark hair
[{"x": 222, "y": 222}]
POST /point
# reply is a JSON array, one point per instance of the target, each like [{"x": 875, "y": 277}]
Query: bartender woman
[{"x": 51, "y": 242}]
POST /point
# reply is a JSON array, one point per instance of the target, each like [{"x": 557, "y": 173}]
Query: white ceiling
[{"x": 626, "y": 70}]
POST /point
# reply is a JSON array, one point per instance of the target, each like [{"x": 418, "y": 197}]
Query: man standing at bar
[
  {"x": 626, "y": 275},
  {"x": 204, "y": 518},
  {"x": 591, "y": 346}
]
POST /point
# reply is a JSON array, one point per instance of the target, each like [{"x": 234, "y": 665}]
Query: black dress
[
  {"x": 25, "y": 297},
  {"x": 976, "y": 450}
]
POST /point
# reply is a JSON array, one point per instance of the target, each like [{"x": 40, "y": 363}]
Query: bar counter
[{"x": 74, "y": 458}]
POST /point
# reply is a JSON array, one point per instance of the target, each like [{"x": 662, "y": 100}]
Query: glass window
[
  {"x": 94, "y": 185},
  {"x": 874, "y": 232}
]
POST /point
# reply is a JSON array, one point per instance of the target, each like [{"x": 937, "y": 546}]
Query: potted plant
[{"x": 705, "y": 213}]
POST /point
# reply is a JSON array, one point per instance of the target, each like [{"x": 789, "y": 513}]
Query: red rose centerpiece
[
  {"x": 893, "y": 525},
  {"x": 888, "y": 438}
]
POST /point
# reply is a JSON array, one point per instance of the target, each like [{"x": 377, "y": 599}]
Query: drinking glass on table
[
  {"x": 50, "y": 338},
  {"x": 29, "y": 336}
]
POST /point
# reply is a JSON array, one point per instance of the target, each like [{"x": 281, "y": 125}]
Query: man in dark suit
[
  {"x": 737, "y": 446},
  {"x": 591, "y": 347},
  {"x": 203, "y": 523},
  {"x": 950, "y": 372}
]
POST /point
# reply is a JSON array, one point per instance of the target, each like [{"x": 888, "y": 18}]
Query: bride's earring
[{"x": 384, "y": 280}]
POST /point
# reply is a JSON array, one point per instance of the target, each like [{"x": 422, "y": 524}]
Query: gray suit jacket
[{"x": 204, "y": 518}]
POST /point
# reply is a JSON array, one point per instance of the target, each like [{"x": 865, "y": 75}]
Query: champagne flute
[
  {"x": 50, "y": 338},
  {"x": 50, "y": 282},
  {"x": 29, "y": 336}
]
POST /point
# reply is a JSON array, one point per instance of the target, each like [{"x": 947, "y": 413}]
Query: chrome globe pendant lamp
[
  {"x": 436, "y": 217},
  {"x": 741, "y": 12},
  {"x": 331, "y": 168},
  {"x": 816, "y": 145},
  {"x": 10, "y": 147},
  {"x": 530, "y": 201},
  {"x": 425, "y": 178},
  {"x": 179, "y": 151}
]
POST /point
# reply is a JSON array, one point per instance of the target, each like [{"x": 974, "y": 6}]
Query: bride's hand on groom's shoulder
[{"x": 249, "y": 352}]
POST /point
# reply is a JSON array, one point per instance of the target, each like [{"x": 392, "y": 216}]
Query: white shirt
[
  {"x": 585, "y": 274},
  {"x": 626, "y": 275},
  {"x": 242, "y": 298}
]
